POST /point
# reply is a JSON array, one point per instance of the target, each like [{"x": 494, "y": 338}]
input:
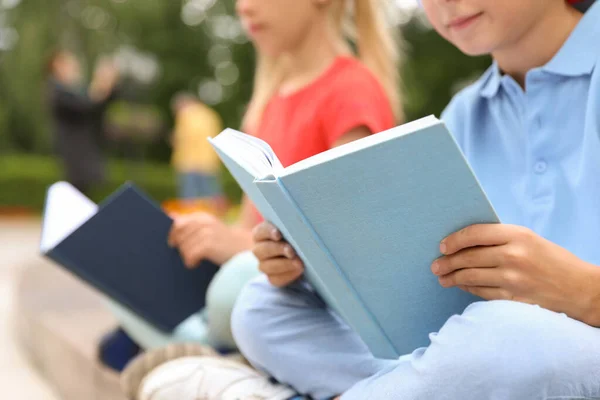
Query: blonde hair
[{"x": 364, "y": 23}]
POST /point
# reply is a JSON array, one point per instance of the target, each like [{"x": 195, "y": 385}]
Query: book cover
[{"x": 120, "y": 248}]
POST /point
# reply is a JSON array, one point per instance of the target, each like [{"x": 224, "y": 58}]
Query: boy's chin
[{"x": 472, "y": 49}]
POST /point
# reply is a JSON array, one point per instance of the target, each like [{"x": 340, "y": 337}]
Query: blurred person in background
[
  {"x": 77, "y": 114},
  {"x": 194, "y": 159}
]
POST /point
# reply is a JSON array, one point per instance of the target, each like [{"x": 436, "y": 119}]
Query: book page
[
  {"x": 66, "y": 210},
  {"x": 254, "y": 154}
]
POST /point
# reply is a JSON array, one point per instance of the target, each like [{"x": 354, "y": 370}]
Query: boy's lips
[
  {"x": 255, "y": 28},
  {"x": 463, "y": 22}
]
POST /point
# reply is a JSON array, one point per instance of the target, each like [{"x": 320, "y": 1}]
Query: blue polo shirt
[{"x": 536, "y": 152}]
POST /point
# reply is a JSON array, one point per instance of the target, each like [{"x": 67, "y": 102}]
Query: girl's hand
[
  {"x": 277, "y": 258},
  {"x": 202, "y": 236},
  {"x": 496, "y": 261}
]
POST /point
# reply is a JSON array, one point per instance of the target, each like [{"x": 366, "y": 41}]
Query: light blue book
[{"x": 367, "y": 219}]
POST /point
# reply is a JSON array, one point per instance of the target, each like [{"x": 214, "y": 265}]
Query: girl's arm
[
  {"x": 248, "y": 218},
  {"x": 352, "y": 135},
  {"x": 203, "y": 236}
]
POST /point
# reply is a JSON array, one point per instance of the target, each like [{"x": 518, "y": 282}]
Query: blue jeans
[
  {"x": 194, "y": 185},
  {"x": 494, "y": 350}
]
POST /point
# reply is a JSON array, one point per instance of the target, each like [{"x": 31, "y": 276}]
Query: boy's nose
[{"x": 243, "y": 7}]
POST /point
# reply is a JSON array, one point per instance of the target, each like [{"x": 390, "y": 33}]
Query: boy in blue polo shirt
[{"x": 530, "y": 128}]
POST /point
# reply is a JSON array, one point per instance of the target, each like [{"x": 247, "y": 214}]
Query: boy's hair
[{"x": 366, "y": 25}]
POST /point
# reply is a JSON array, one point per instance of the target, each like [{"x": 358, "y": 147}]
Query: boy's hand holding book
[
  {"x": 509, "y": 262},
  {"x": 277, "y": 258}
]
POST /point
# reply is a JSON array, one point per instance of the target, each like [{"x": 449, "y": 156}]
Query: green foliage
[
  {"x": 139, "y": 123},
  {"x": 25, "y": 178},
  {"x": 151, "y": 30},
  {"x": 434, "y": 70}
]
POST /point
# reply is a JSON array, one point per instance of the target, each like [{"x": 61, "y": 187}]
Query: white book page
[
  {"x": 66, "y": 210},
  {"x": 360, "y": 144},
  {"x": 254, "y": 154}
]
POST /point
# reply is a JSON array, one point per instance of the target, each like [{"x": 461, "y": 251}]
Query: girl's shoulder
[
  {"x": 350, "y": 75},
  {"x": 353, "y": 97}
]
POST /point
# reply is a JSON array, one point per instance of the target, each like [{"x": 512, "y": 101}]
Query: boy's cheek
[{"x": 432, "y": 16}]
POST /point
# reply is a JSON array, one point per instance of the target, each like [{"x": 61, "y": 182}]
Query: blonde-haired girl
[
  {"x": 312, "y": 93},
  {"x": 327, "y": 74}
]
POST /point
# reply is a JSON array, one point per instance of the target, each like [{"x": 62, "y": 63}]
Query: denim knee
[{"x": 248, "y": 317}]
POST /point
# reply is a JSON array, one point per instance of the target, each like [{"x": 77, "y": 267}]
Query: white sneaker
[
  {"x": 143, "y": 364},
  {"x": 209, "y": 378}
]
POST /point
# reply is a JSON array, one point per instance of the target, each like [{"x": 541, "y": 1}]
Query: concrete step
[{"x": 59, "y": 321}]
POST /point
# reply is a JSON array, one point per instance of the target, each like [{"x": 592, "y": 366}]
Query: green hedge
[{"x": 25, "y": 178}]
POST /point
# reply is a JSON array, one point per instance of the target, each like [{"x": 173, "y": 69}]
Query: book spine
[{"x": 338, "y": 291}]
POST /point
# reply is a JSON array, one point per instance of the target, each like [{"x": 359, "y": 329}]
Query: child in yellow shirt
[{"x": 193, "y": 158}]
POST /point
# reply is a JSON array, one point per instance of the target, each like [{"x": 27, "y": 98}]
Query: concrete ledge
[{"x": 59, "y": 321}]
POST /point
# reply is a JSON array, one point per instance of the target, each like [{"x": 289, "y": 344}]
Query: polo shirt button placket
[{"x": 540, "y": 167}]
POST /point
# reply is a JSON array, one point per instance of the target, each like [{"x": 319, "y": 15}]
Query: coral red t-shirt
[{"x": 310, "y": 120}]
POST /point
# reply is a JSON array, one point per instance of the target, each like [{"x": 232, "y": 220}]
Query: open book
[
  {"x": 367, "y": 219},
  {"x": 120, "y": 248}
]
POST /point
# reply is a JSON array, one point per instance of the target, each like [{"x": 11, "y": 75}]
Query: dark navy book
[{"x": 120, "y": 248}]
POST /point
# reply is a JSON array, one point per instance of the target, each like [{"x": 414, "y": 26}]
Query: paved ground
[{"x": 18, "y": 242}]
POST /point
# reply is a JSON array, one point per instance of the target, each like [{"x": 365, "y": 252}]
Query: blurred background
[{"x": 160, "y": 48}]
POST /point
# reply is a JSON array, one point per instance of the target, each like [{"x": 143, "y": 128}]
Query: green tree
[{"x": 434, "y": 70}]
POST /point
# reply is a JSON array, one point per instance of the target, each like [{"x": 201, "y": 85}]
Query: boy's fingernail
[
  {"x": 443, "y": 246},
  {"x": 275, "y": 234},
  {"x": 435, "y": 267},
  {"x": 289, "y": 252}
]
